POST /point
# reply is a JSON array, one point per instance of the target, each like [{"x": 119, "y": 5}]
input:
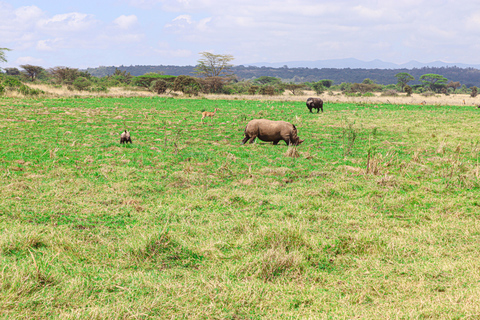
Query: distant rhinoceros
[
  {"x": 268, "y": 130},
  {"x": 315, "y": 103}
]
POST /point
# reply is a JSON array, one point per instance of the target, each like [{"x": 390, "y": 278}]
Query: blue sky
[{"x": 91, "y": 33}]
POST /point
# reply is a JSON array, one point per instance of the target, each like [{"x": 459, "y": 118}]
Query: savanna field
[{"x": 375, "y": 216}]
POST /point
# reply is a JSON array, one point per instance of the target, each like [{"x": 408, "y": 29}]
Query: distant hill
[
  {"x": 466, "y": 76},
  {"x": 359, "y": 64}
]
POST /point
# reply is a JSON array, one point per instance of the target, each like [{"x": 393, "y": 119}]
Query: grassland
[{"x": 378, "y": 217}]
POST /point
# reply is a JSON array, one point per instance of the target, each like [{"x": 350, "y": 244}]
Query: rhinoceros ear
[{"x": 300, "y": 142}]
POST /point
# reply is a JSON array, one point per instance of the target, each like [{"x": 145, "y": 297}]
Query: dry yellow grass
[{"x": 336, "y": 97}]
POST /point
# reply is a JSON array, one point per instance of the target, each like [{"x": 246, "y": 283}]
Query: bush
[
  {"x": 318, "y": 87},
  {"x": 159, "y": 86},
  {"x": 474, "y": 92},
  {"x": 27, "y": 91},
  {"x": 187, "y": 85},
  {"x": 11, "y": 82},
  {"x": 147, "y": 79},
  {"x": 428, "y": 93},
  {"x": 389, "y": 93},
  {"x": 240, "y": 87},
  {"x": 82, "y": 83},
  {"x": 212, "y": 84},
  {"x": 408, "y": 90},
  {"x": 253, "y": 90},
  {"x": 2, "y": 89},
  {"x": 267, "y": 90},
  {"x": 100, "y": 88}
]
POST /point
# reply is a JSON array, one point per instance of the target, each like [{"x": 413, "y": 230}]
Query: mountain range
[{"x": 359, "y": 64}]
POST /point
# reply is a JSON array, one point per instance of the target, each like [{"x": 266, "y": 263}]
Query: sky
[{"x": 88, "y": 33}]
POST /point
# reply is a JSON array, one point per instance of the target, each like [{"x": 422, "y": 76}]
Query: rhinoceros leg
[
  {"x": 252, "y": 139},
  {"x": 245, "y": 139},
  {"x": 276, "y": 142}
]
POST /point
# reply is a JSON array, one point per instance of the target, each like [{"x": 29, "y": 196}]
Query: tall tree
[
  {"x": 454, "y": 85},
  {"x": 433, "y": 81},
  {"x": 403, "y": 78},
  {"x": 214, "y": 65},
  {"x": 64, "y": 74},
  {"x": 31, "y": 72}
]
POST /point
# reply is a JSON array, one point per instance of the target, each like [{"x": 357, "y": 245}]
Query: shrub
[
  {"x": 212, "y": 84},
  {"x": 159, "y": 86},
  {"x": 187, "y": 85},
  {"x": 11, "y": 82},
  {"x": 236, "y": 88},
  {"x": 318, "y": 87},
  {"x": 82, "y": 83},
  {"x": 428, "y": 94},
  {"x": 27, "y": 91},
  {"x": 253, "y": 89},
  {"x": 267, "y": 90},
  {"x": 389, "y": 93},
  {"x": 408, "y": 90},
  {"x": 99, "y": 88},
  {"x": 474, "y": 92},
  {"x": 147, "y": 79}
]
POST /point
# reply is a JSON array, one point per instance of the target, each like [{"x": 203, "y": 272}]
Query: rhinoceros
[
  {"x": 315, "y": 103},
  {"x": 268, "y": 130}
]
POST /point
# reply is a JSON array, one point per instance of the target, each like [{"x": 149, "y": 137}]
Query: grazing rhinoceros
[
  {"x": 268, "y": 130},
  {"x": 314, "y": 103}
]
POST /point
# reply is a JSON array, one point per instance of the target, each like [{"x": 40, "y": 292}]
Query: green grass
[{"x": 188, "y": 223}]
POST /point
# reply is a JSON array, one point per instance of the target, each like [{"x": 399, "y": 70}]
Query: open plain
[{"x": 376, "y": 215}]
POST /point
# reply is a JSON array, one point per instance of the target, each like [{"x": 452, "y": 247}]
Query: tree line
[
  {"x": 468, "y": 76},
  {"x": 214, "y": 73}
]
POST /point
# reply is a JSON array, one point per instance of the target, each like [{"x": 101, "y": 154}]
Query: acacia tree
[
  {"x": 295, "y": 88},
  {"x": 65, "y": 74},
  {"x": 31, "y": 72},
  {"x": 433, "y": 81},
  {"x": 2, "y": 54},
  {"x": 214, "y": 65},
  {"x": 403, "y": 78},
  {"x": 454, "y": 85}
]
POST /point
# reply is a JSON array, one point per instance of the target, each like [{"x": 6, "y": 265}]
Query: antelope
[{"x": 208, "y": 114}]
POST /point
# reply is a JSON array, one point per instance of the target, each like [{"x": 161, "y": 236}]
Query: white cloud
[
  {"x": 67, "y": 22},
  {"x": 28, "y": 14},
  {"x": 29, "y": 60},
  {"x": 126, "y": 22},
  {"x": 185, "y": 24},
  {"x": 46, "y": 45}
]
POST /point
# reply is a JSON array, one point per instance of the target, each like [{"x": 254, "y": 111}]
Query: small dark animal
[
  {"x": 125, "y": 137},
  {"x": 314, "y": 103},
  {"x": 268, "y": 130}
]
